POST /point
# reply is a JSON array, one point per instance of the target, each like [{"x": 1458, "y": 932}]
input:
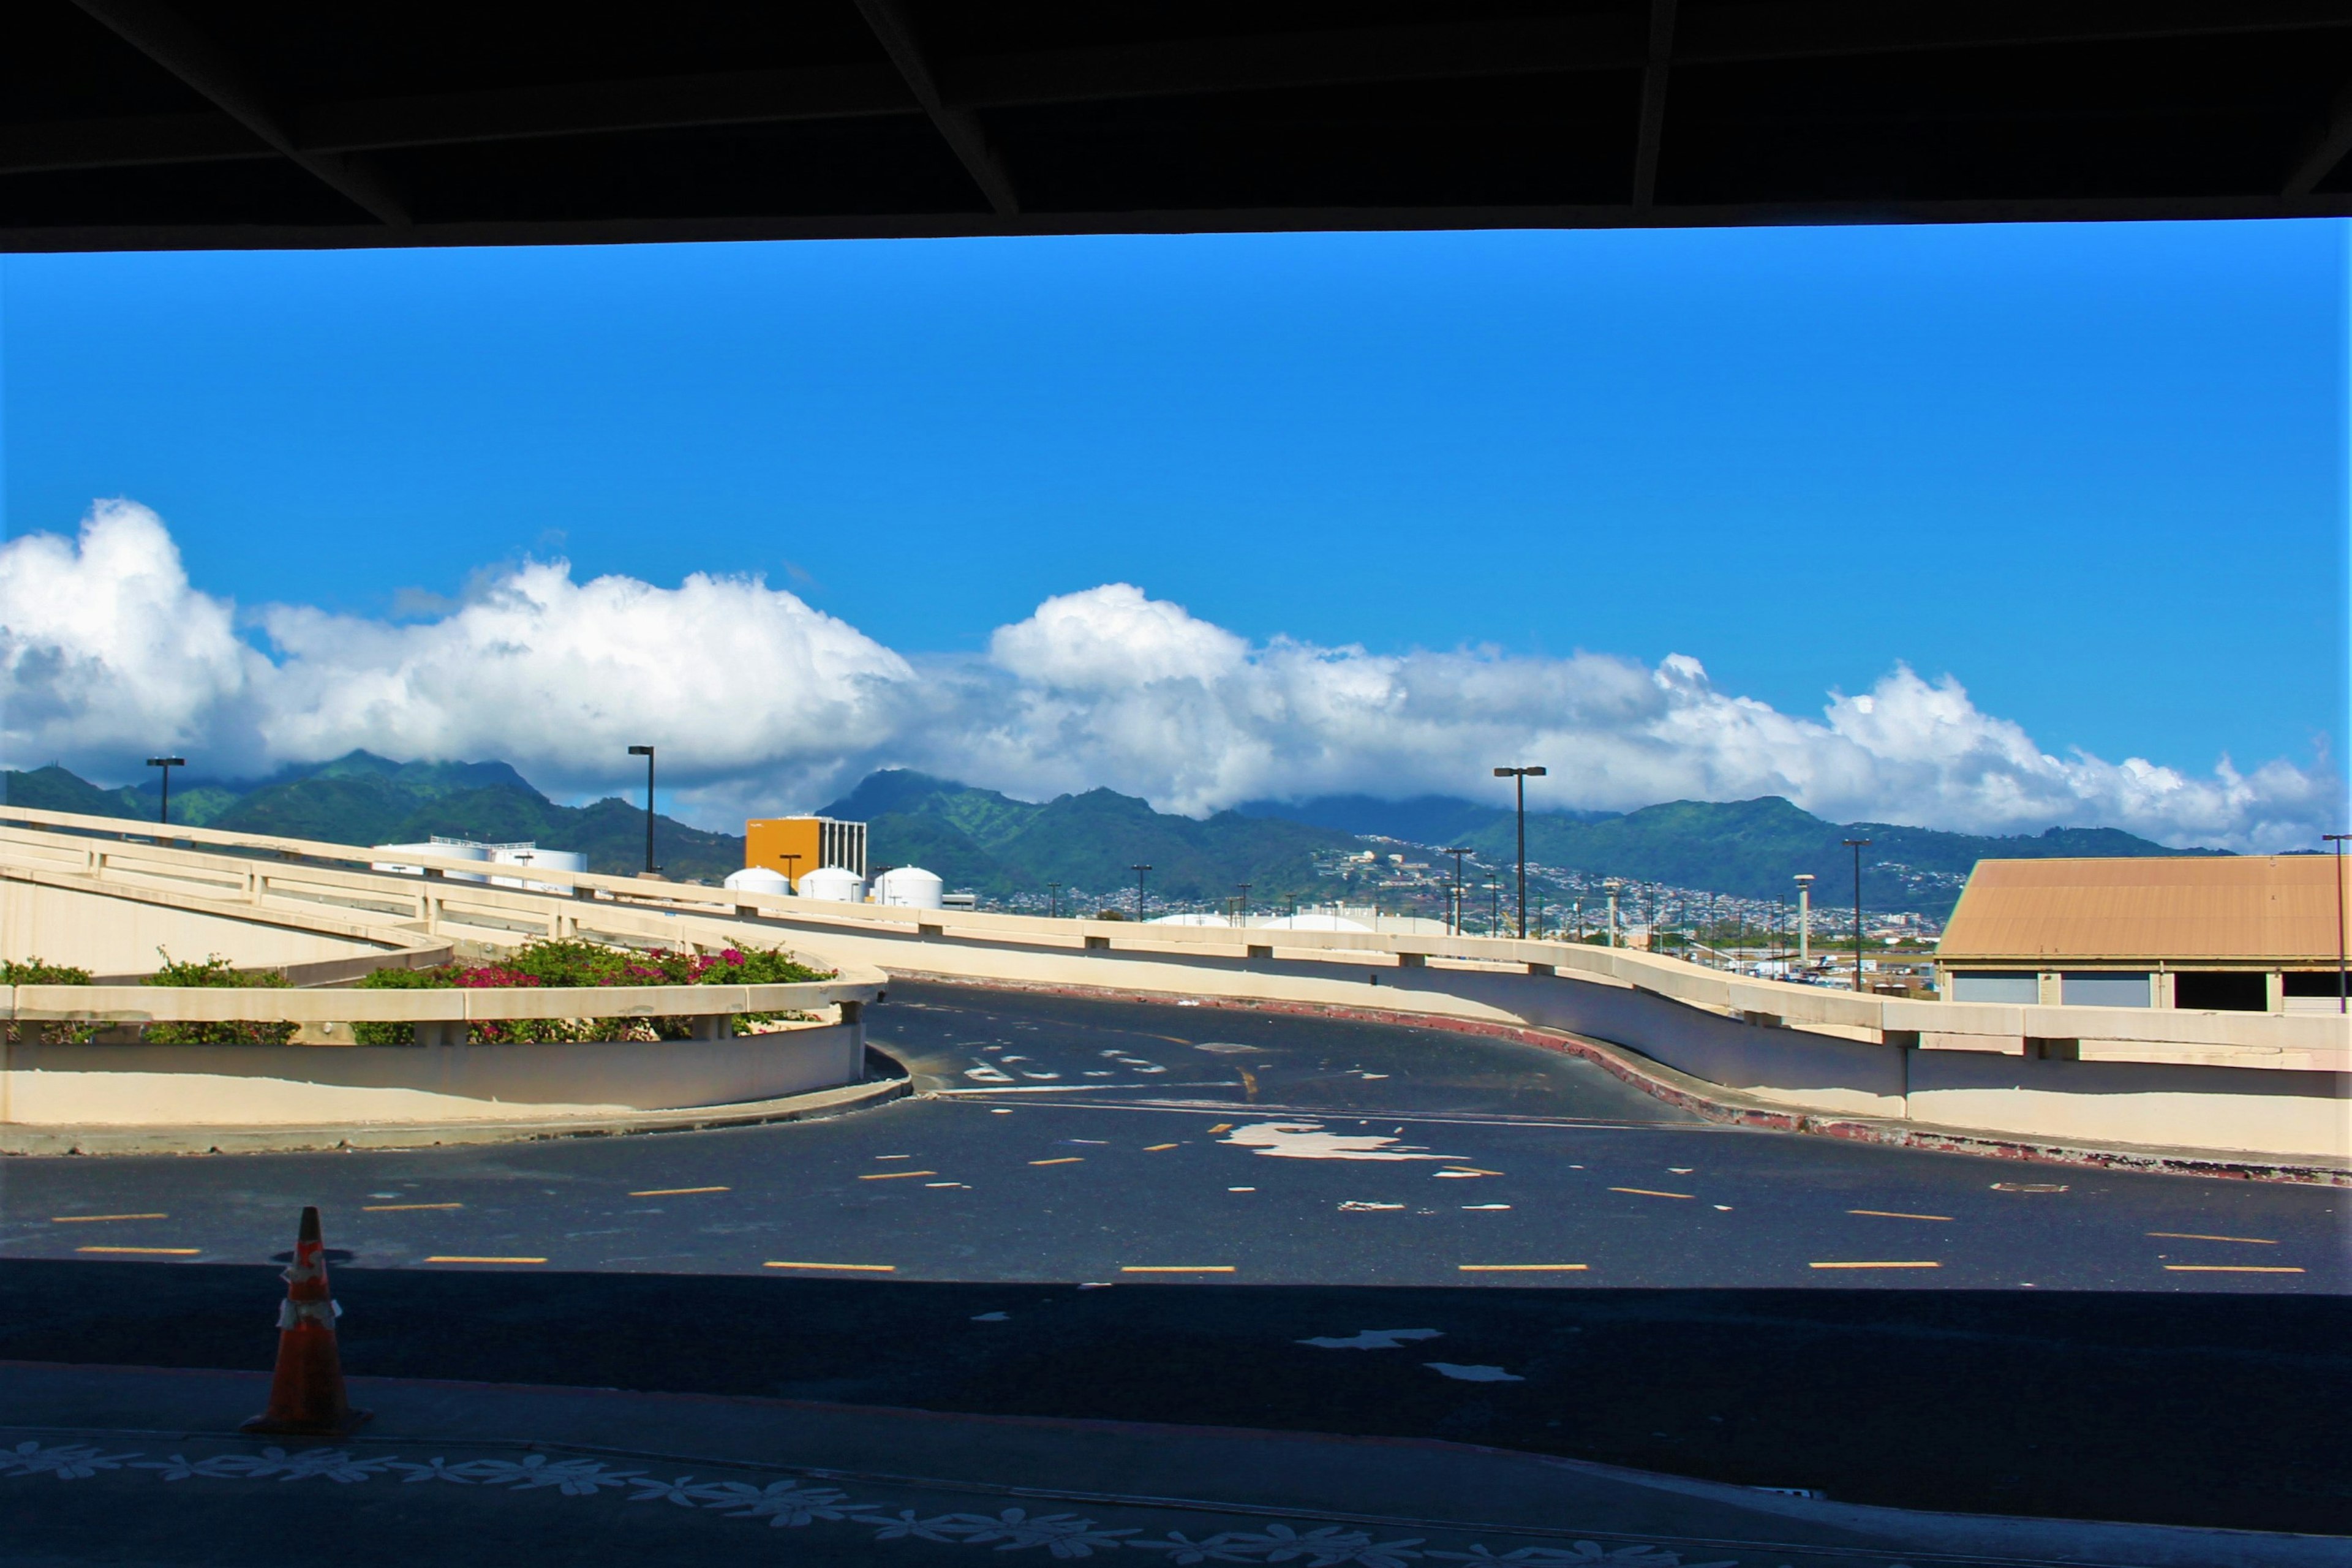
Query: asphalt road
[{"x": 1375, "y": 1229}]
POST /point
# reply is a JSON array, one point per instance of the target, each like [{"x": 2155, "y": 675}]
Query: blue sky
[{"x": 2096, "y": 473}]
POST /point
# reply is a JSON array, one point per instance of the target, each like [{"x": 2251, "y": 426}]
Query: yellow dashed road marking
[
  {"x": 1064, "y": 1159},
  {"x": 1892, "y": 1214},
  {"x": 1222, "y": 1127},
  {"x": 97, "y": 1218},
  {"x": 455, "y": 1259},
  {"x": 896, "y": 1176},
  {"x": 1652, "y": 1193},
  {"x": 2168, "y": 1268},
  {"x": 1523, "y": 1267},
  {"x": 2192, "y": 1236},
  {"x": 1155, "y": 1147},
  {"x": 1874, "y": 1266},
  {"x": 1466, "y": 1171},
  {"x": 676, "y": 1192},
  {"x": 169, "y": 1251},
  {"x": 852, "y": 1268},
  {"x": 1176, "y": 1268},
  {"x": 397, "y": 1208}
]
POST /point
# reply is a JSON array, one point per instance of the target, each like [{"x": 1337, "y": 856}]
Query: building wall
[{"x": 816, "y": 840}]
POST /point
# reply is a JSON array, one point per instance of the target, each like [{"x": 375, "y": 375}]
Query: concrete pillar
[
  {"x": 2051, "y": 993},
  {"x": 1612, "y": 917},
  {"x": 2167, "y": 988},
  {"x": 2275, "y": 992},
  {"x": 1804, "y": 921},
  {"x": 853, "y": 1018}
]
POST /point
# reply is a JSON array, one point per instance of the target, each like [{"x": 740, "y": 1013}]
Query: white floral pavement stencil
[{"x": 795, "y": 1504}]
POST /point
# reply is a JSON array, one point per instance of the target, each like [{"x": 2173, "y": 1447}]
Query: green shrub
[
  {"x": 217, "y": 973},
  {"x": 37, "y": 971}
]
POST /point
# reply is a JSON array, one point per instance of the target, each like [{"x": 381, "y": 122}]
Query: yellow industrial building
[
  {"x": 2253, "y": 933},
  {"x": 797, "y": 846}
]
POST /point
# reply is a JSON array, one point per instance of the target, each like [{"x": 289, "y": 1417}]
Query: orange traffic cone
[{"x": 306, "y": 1396}]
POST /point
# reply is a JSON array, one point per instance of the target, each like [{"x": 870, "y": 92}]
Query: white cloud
[{"x": 758, "y": 701}]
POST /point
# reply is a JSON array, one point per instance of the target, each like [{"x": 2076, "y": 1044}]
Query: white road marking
[
  {"x": 993, "y": 1317},
  {"x": 1357, "y": 1205},
  {"x": 1309, "y": 1140},
  {"x": 1374, "y": 1340},
  {"x": 1472, "y": 1373}
]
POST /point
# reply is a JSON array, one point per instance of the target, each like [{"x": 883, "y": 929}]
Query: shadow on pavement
[{"x": 2215, "y": 1410}]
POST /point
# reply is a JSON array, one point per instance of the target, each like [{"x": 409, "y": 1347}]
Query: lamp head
[
  {"x": 167, "y": 762},
  {"x": 641, "y": 750}
]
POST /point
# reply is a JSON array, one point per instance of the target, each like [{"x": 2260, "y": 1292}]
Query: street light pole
[
  {"x": 1613, "y": 884},
  {"x": 2338, "y": 839},
  {"x": 1856, "y": 846},
  {"x": 164, "y": 812},
  {"x": 1140, "y": 872},
  {"x": 1053, "y": 899},
  {"x": 1457, "y": 852},
  {"x": 1519, "y": 777},
  {"x": 647, "y": 752}
]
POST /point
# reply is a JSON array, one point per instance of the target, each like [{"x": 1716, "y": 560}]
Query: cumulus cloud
[{"x": 758, "y": 701}]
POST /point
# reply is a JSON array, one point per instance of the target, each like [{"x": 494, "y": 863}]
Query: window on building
[
  {"x": 2224, "y": 992},
  {"x": 2103, "y": 989},
  {"x": 2016, "y": 989}
]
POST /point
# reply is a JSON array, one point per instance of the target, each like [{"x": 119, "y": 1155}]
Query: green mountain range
[
  {"x": 1003, "y": 848},
  {"x": 1749, "y": 848},
  {"x": 364, "y": 799}
]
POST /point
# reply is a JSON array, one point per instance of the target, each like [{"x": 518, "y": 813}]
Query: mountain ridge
[{"x": 1005, "y": 848}]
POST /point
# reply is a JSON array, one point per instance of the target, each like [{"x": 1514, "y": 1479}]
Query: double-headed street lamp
[
  {"x": 1140, "y": 872},
  {"x": 164, "y": 812},
  {"x": 1856, "y": 846},
  {"x": 1519, "y": 777},
  {"x": 647, "y": 752}
]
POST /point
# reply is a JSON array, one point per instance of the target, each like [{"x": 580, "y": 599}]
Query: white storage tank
[
  {"x": 833, "y": 885},
  {"x": 759, "y": 879},
  {"x": 533, "y": 855},
  {"x": 446, "y": 851},
  {"x": 909, "y": 888}
]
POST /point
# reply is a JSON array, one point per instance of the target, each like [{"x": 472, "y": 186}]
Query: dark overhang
[{"x": 136, "y": 125}]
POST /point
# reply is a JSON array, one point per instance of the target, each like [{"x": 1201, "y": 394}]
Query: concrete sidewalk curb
[
  {"x": 58, "y": 1141},
  {"x": 1717, "y": 1103},
  {"x": 1308, "y": 1478}
]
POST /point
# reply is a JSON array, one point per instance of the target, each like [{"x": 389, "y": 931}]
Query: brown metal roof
[{"x": 2280, "y": 908}]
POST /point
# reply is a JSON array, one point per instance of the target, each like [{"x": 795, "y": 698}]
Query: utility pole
[
  {"x": 1244, "y": 886},
  {"x": 647, "y": 752},
  {"x": 1856, "y": 846},
  {"x": 1140, "y": 872},
  {"x": 2338, "y": 839},
  {"x": 1053, "y": 899},
  {"x": 1804, "y": 921},
  {"x": 164, "y": 812},
  {"x": 1457, "y": 853},
  {"x": 1519, "y": 777}
]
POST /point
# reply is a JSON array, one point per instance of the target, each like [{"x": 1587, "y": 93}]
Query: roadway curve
[{"x": 1602, "y": 1274}]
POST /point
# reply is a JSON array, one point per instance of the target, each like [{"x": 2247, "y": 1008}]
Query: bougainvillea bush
[{"x": 570, "y": 963}]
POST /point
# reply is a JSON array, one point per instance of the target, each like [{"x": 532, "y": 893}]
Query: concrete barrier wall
[
  {"x": 110, "y": 935},
  {"x": 294, "y": 1086}
]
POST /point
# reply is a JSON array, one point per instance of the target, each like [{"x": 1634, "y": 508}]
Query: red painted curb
[{"x": 1606, "y": 1057}]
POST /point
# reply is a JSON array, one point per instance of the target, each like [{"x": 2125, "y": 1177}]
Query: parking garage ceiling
[{"x": 131, "y": 124}]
